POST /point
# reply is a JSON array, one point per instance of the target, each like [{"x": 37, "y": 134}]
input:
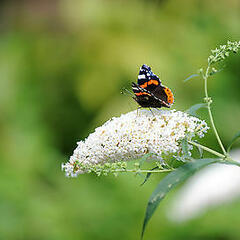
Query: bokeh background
[{"x": 63, "y": 64}]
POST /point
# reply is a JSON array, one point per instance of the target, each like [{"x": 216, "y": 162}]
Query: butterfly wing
[
  {"x": 165, "y": 94},
  {"x": 147, "y": 99},
  {"x": 149, "y": 91},
  {"x": 141, "y": 95},
  {"x": 147, "y": 79}
]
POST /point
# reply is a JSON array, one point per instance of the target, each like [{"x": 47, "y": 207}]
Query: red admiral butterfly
[{"x": 149, "y": 92}]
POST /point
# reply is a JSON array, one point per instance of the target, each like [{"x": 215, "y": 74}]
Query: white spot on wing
[{"x": 141, "y": 76}]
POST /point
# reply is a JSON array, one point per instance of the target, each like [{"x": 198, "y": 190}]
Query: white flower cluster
[{"x": 134, "y": 134}]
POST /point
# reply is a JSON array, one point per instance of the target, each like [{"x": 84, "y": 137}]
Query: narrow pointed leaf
[
  {"x": 148, "y": 175},
  {"x": 232, "y": 162},
  {"x": 200, "y": 150},
  {"x": 192, "y": 76},
  {"x": 184, "y": 145},
  {"x": 193, "y": 109},
  {"x": 170, "y": 181},
  {"x": 236, "y": 136}
]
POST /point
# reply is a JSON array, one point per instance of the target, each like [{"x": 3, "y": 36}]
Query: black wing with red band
[{"x": 149, "y": 92}]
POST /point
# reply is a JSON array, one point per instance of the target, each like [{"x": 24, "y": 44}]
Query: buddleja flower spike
[{"x": 131, "y": 136}]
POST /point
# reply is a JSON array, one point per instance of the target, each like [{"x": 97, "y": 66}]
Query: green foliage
[
  {"x": 200, "y": 151},
  {"x": 190, "y": 77},
  {"x": 234, "y": 139},
  {"x": 193, "y": 109},
  {"x": 169, "y": 182},
  {"x": 185, "y": 149},
  {"x": 119, "y": 167},
  {"x": 219, "y": 54},
  {"x": 62, "y": 64},
  {"x": 148, "y": 175}
]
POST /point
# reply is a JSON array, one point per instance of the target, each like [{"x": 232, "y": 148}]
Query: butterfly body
[{"x": 149, "y": 92}]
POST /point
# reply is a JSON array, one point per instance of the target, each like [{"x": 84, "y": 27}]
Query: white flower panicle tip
[{"x": 132, "y": 135}]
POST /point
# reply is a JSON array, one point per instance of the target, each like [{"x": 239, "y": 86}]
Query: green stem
[
  {"x": 143, "y": 171},
  {"x": 231, "y": 161},
  {"x": 205, "y": 77},
  {"x": 207, "y": 149}
]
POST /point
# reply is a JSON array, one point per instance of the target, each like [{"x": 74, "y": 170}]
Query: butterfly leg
[
  {"x": 138, "y": 109},
  {"x": 151, "y": 111}
]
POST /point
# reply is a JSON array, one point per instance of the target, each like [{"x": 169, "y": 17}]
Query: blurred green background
[{"x": 63, "y": 64}]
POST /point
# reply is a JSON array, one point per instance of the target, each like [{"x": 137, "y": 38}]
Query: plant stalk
[
  {"x": 144, "y": 171},
  {"x": 207, "y": 149},
  {"x": 205, "y": 77}
]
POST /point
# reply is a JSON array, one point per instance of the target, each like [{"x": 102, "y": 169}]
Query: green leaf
[
  {"x": 169, "y": 182},
  {"x": 232, "y": 162},
  {"x": 193, "y": 109},
  {"x": 192, "y": 76},
  {"x": 200, "y": 150},
  {"x": 148, "y": 175},
  {"x": 184, "y": 145},
  {"x": 236, "y": 136}
]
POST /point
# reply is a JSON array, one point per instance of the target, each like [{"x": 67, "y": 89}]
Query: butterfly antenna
[{"x": 126, "y": 91}]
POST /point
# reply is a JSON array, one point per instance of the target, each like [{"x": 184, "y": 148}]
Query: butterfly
[{"x": 149, "y": 91}]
